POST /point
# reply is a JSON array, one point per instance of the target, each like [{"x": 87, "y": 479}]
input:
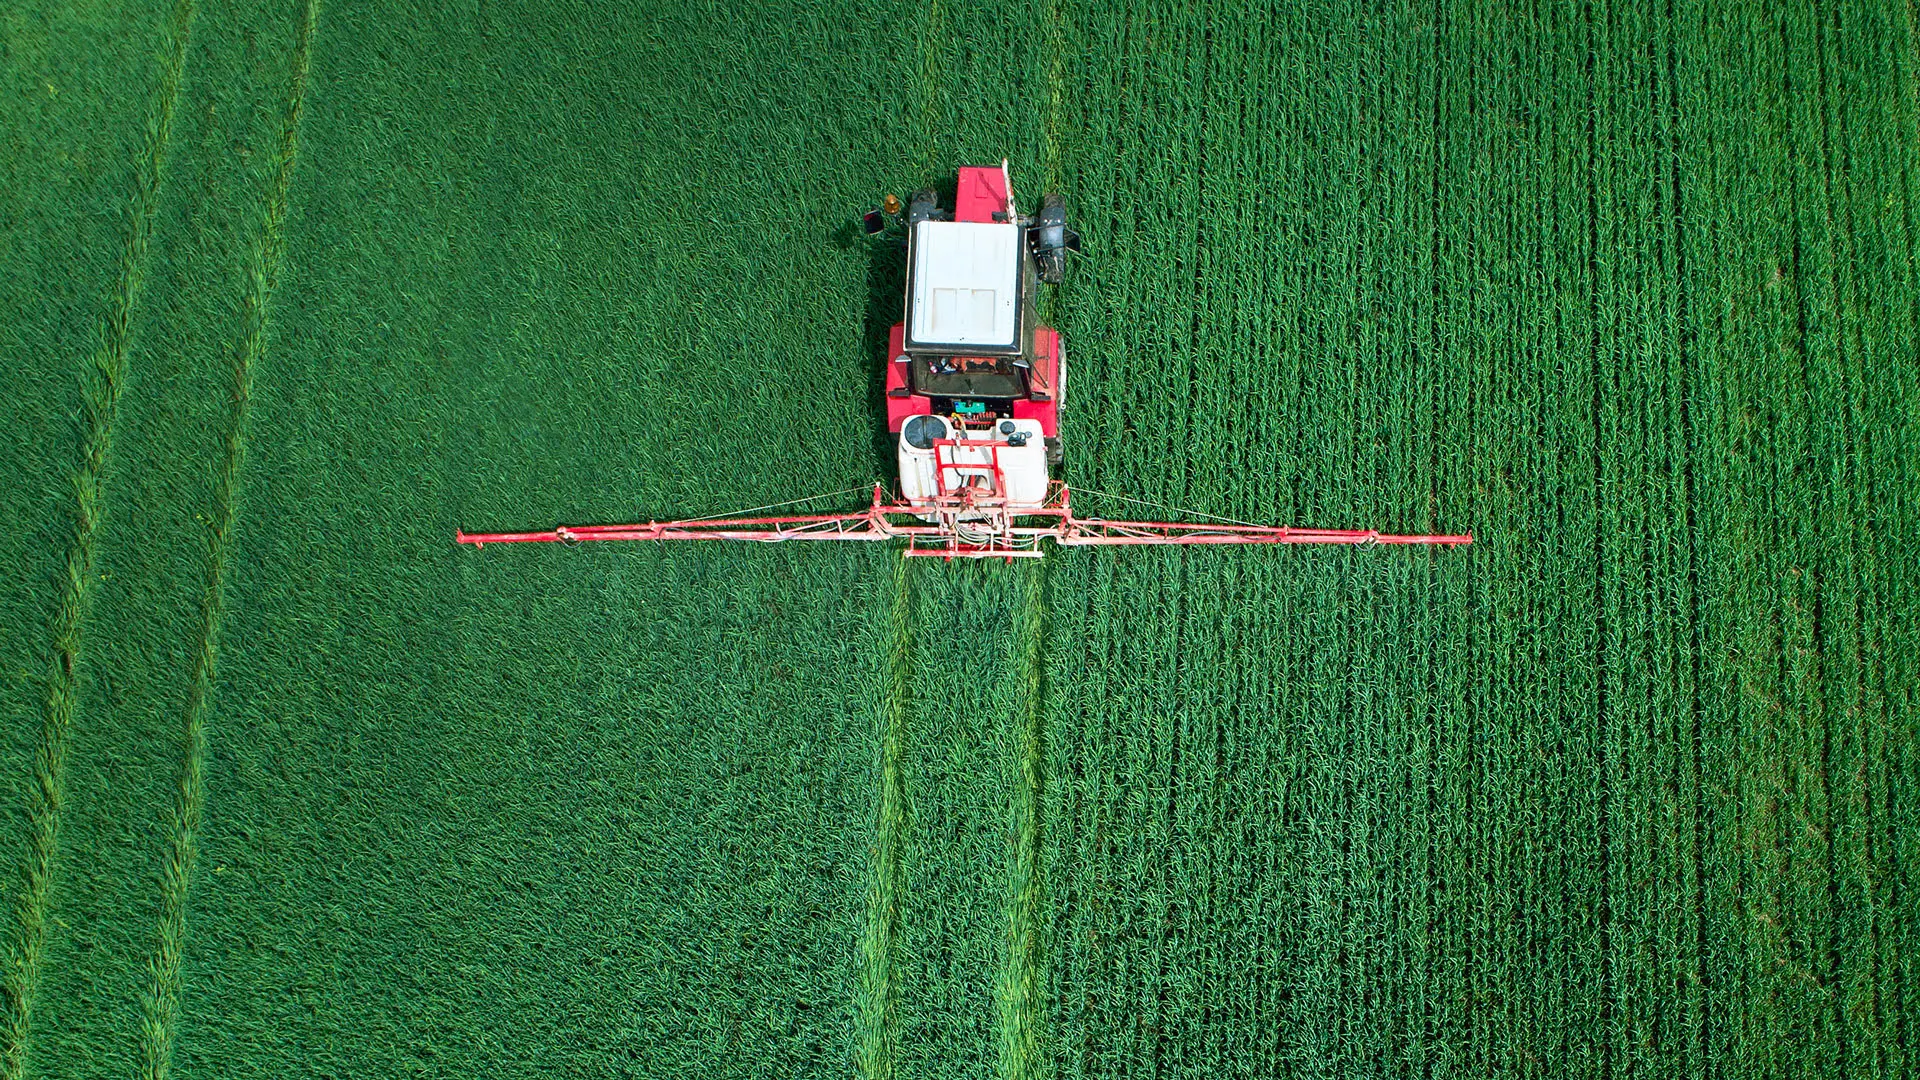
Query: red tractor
[{"x": 971, "y": 346}]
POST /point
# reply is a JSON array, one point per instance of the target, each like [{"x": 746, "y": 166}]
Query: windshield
[{"x": 968, "y": 377}]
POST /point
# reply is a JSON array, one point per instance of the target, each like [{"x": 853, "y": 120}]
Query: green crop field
[{"x": 290, "y": 290}]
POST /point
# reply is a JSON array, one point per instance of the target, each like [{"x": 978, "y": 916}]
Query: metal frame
[{"x": 965, "y": 525}]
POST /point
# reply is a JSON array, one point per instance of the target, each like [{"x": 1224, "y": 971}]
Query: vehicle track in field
[
  {"x": 160, "y": 1005},
  {"x": 1022, "y": 988},
  {"x": 1020, "y": 983},
  {"x": 102, "y": 377},
  {"x": 928, "y": 84},
  {"x": 877, "y": 1010},
  {"x": 1023, "y": 981}
]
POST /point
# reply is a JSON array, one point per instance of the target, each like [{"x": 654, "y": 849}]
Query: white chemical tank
[{"x": 938, "y": 457}]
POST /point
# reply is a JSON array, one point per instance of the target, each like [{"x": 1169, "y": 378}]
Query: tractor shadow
[
  {"x": 886, "y": 285},
  {"x": 886, "y": 305}
]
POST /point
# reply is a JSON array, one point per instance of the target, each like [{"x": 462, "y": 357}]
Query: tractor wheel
[
  {"x": 1054, "y": 454},
  {"x": 1051, "y": 258},
  {"x": 922, "y": 208},
  {"x": 1052, "y": 266}
]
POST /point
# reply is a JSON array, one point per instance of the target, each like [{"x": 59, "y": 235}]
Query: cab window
[{"x": 968, "y": 377}]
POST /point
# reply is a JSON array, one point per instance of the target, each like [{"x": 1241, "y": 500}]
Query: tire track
[
  {"x": 877, "y": 1008},
  {"x": 102, "y": 378},
  {"x": 877, "y": 1011},
  {"x": 1023, "y": 978},
  {"x": 160, "y": 1006},
  {"x": 932, "y": 32},
  {"x": 1056, "y": 48}
]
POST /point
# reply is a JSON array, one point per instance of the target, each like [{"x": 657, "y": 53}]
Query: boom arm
[{"x": 964, "y": 528}]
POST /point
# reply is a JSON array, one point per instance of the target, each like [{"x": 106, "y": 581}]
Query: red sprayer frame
[
  {"x": 964, "y": 525},
  {"x": 973, "y": 516}
]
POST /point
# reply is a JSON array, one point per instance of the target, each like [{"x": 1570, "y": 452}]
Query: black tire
[
  {"x": 922, "y": 208},
  {"x": 1054, "y": 453},
  {"x": 1050, "y": 255},
  {"x": 1051, "y": 266}
]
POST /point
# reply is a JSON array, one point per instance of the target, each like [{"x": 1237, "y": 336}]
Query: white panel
[{"x": 966, "y": 284}]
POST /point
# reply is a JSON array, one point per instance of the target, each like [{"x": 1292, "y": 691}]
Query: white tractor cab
[{"x": 969, "y": 288}]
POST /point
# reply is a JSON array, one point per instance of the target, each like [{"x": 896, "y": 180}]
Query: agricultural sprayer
[{"x": 974, "y": 389}]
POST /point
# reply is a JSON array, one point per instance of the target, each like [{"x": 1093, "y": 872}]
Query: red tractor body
[{"x": 971, "y": 343}]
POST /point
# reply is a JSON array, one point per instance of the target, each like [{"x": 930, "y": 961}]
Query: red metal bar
[
  {"x": 991, "y": 447},
  {"x": 998, "y": 522}
]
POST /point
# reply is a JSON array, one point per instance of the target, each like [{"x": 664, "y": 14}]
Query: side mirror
[{"x": 873, "y": 222}]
